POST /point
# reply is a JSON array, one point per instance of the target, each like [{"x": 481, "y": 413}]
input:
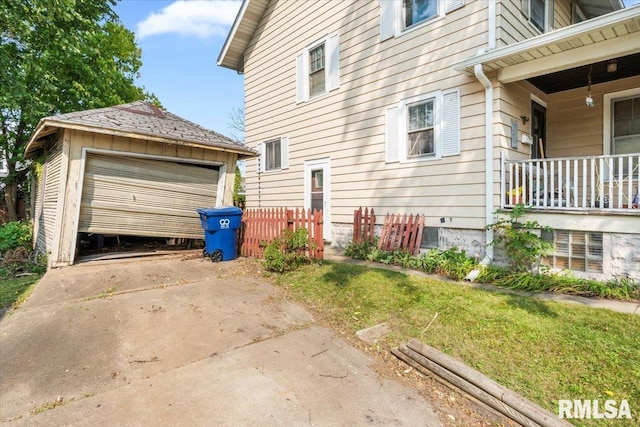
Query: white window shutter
[
  {"x": 301, "y": 79},
  {"x": 284, "y": 152},
  {"x": 387, "y": 19},
  {"x": 453, "y": 5},
  {"x": 451, "y": 123},
  {"x": 551, "y": 16},
  {"x": 333, "y": 63},
  {"x": 524, "y": 7},
  {"x": 260, "y": 159},
  {"x": 391, "y": 135}
]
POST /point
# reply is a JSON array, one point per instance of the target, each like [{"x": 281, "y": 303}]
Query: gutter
[{"x": 488, "y": 139}]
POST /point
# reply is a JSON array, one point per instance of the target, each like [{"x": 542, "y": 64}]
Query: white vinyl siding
[
  {"x": 318, "y": 69},
  {"x": 397, "y": 16},
  {"x": 47, "y": 199},
  {"x": 423, "y": 128},
  {"x": 273, "y": 155}
]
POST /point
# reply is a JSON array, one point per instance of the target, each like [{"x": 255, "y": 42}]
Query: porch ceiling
[{"x": 614, "y": 35}]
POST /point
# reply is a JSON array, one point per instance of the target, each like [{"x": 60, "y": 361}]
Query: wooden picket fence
[
  {"x": 363, "y": 225},
  {"x": 261, "y": 226},
  {"x": 402, "y": 232}
]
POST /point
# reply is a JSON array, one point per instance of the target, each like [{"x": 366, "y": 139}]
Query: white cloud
[{"x": 201, "y": 18}]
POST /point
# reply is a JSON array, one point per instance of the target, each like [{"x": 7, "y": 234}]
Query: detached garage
[{"x": 127, "y": 170}]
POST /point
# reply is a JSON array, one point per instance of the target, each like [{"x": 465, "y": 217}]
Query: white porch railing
[{"x": 572, "y": 183}]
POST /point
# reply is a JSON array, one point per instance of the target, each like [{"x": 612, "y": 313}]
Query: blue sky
[{"x": 180, "y": 42}]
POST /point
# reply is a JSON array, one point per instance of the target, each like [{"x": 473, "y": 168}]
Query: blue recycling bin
[{"x": 221, "y": 226}]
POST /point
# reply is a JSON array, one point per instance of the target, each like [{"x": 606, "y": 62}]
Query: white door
[{"x": 317, "y": 190}]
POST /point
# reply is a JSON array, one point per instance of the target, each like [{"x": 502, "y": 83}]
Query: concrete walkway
[
  {"x": 180, "y": 341},
  {"x": 614, "y": 305}
]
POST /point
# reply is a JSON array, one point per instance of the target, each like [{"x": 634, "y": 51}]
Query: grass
[
  {"x": 544, "y": 350},
  {"x": 14, "y": 290}
]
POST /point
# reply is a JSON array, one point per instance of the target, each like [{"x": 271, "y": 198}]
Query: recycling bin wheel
[
  {"x": 204, "y": 253},
  {"x": 216, "y": 255}
]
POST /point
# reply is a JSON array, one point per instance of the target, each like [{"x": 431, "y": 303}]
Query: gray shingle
[{"x": 146, "y": 119}]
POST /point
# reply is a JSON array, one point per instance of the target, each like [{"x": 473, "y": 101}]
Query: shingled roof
[{"x": 137, "y": 120}]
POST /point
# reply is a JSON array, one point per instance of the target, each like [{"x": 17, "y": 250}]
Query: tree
[
  {"x": 236, "y": 123},
  {"x": 58, "y": 56}
]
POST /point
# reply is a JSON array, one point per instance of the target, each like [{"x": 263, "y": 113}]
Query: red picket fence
[
  {"x": 402, "y": 232},
  {"x": 363, "y": 225},
  {"x": 261, "y": 226}
]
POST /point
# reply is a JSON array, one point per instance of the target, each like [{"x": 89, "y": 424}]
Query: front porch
[{"x": 605, "y": 184}]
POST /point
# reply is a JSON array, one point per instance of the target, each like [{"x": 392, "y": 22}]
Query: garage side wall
[
  {"x": 49, "y": 192},
  {"x": 123, "y": 145}
]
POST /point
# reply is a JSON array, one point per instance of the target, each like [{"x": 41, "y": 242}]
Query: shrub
[
  {"x": 287, "y": 252},
  {"x": 360, "y": 250},
  {"x": 522, "y": 241},
  {"x": 15, "y": 234}
]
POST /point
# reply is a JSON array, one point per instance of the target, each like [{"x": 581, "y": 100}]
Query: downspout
[{"x": 488, "y": 137}]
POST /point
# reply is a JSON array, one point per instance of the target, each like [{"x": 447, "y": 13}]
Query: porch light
[
  {"x": 589, "y": 100},
  {"x": 612, "y": 66}
]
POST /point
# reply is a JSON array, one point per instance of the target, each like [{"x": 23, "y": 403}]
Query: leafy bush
[
  {"x": 360, "y": 250},
  {"x": 522, "y": 241},
  {"x": 287, "y": 252},
  {"x": 15, "y": 234}
]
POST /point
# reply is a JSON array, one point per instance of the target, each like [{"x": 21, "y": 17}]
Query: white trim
[
  {"x": 325, "y": 165},
  {"x": 232, "y": 33},
  {"x": 83, "y": 159},
  {"x": 557, "y": 36},
  {"x": 398, "y": 14},
  {"x": 403, "y": 154},
  {"x": 537, "y": 100},
  {"x": 222, "y": 180},
  {"x": 606, "y": 115}
]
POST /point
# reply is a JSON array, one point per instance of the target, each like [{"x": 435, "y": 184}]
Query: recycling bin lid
[{"x": 220, "y": 211}]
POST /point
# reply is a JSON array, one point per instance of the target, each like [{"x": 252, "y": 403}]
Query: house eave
[
  {"x": 244, "y": 26},
  {"x": 605, "y": 37}
]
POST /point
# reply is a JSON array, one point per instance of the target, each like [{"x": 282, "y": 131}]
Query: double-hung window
[
  {"x": 398, "y": 16},
  {"x": 423, "y": 127},
  {"x": 539, "y": 13},
  {"x": 273, "y": 155},
  {"x": 622, "y": 118},
  {"x": 318, "y": 69},
  {"x": 416, "y": 11}
]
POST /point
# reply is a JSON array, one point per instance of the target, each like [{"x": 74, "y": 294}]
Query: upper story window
[
  {"x": 397, "y": 16},
  {"x": 318, "y": 69},
  {"x": 423, "y": 127},
  {"x": 416, "y": 11},
  {"x": 317, "y": 75},
  {"x": 273, "y": 155},
  {"x": 539, "y": 13}
]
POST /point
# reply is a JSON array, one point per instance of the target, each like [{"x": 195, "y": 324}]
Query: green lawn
[
  {"x": 13, "y": 290},
  {"x": 544, "y": 350}
]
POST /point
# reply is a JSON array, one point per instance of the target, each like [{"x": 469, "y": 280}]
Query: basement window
[
  {"x": 574, "y": 250},
  {"x": 430, "y": 238}
]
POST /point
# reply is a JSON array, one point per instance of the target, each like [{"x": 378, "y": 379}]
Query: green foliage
[
  {"x": 238, "y": 199},
  {"x": 541, "y": 349},
  {"x": 522, "y": 241},
  {"x": 288, "y": 251},
  {"x": 59, "y": 56},
  {"x": 360, "y": 250},
  {"x": 15, "y": 234}
]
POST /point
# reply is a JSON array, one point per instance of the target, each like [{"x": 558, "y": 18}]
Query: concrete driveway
[{"x": 177, "y": 340}]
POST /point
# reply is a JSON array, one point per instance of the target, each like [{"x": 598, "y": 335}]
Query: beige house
[
  {"x": 453, "y": 109},
  {"x": 127, "y": 170}
]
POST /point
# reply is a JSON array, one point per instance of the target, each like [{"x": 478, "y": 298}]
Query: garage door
[{"x": 142, "y": 197}]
